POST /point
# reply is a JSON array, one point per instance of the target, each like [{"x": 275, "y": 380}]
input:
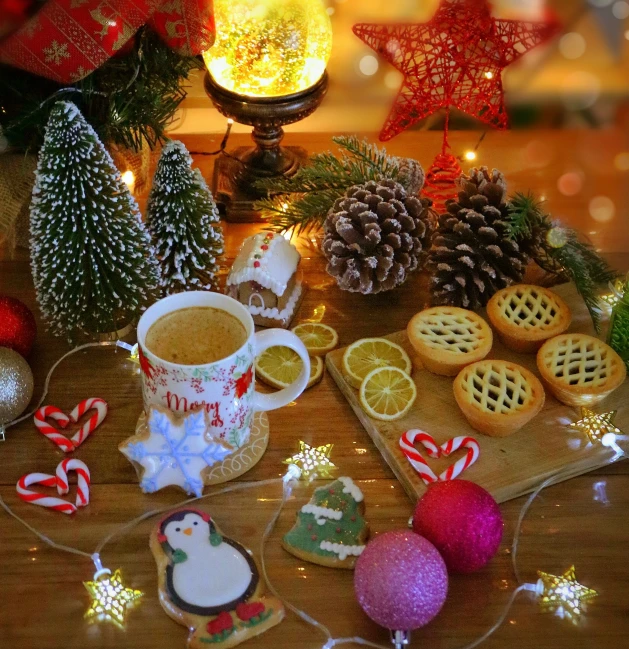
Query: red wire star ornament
[{"x": 456, "y": 59}]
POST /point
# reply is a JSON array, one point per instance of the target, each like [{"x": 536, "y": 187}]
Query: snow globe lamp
[{"x": 266, "y": 69}]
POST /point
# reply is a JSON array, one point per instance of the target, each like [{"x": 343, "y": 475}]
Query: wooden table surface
[{"x": 582, "y": 521}]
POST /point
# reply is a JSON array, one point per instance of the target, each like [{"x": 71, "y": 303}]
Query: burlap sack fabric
[{"x": 17, "y": 177}]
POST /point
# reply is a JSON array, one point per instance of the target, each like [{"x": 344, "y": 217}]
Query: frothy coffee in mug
[{"x": 196, "y": 336}]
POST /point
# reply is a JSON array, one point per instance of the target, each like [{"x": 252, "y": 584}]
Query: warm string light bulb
[
  {"x": 313, "y": 460},
  {"x": 128, "y": 178},
  {"x": 600, "y": 429},
  {"x": 110, "y": 597},
  {"x": 563, "y": 594},
  {"x": 617, "y": 292},
  {"x": 269, "y": 48}
]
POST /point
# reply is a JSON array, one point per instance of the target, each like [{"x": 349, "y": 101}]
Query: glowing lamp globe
[
  {"x": 269, "y": 48},
  {"x": 266, "y": 69}
]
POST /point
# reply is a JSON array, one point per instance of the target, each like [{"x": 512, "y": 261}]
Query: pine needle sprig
[
  {"x": 303, "y": 201},
  {"x": 570, "y": 257},
  {"x": 526, "y": 216},
  {"x": 587, "y": 269}
]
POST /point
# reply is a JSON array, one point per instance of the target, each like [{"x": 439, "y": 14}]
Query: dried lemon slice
[
  {"x": 318, "y": 338},
  {"x": 387, "y": 393},
  {"x": 368, "y": 354},
  {"x": 280, "y": 366}
]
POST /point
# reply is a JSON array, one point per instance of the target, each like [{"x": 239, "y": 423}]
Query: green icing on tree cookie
[{"x": 331, "y": 525}]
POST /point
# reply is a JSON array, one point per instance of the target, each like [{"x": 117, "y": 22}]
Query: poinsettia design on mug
[
  {"x": 244, "y": 382},
  {"x": 145, "y": 365}
]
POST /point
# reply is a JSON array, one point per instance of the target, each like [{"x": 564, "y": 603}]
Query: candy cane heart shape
[
  {"x": 411, "y": 437},
  {"x": 60, "y": 481},
  {"x": 99, "y": 406}
]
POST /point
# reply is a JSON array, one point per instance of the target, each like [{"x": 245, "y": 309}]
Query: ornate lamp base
[{"x": 236, "y": 173}]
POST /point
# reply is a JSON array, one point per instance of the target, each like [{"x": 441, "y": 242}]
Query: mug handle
[{"x": 271, "y": 338}]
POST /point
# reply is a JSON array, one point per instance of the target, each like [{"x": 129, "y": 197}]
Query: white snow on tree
[
  {"x": 93, "y": 264},
  {"x": 183, "y": 221}
]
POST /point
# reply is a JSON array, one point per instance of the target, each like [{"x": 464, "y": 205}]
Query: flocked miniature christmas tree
[
  {"x": 330, "y": 530},
  {"x": 183, "y": 221},
  {"x": 93, "y": 264}
]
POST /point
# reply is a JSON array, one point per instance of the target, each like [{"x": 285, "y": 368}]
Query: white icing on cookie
[
  {"x": 274, "y": 313},
  {"x": 343, "y": 551},
  {"x": 269, "y": 264},
  {"x": 322, "y": 512},
  {"x": 351, "y": 489},
  {"x": 210, "y": 575}
]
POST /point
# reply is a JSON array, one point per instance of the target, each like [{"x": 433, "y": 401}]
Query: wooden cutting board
[{"x": 507, "y": 467}]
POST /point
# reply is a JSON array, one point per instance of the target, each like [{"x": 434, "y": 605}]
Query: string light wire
[{"x": 287, "y": 481}]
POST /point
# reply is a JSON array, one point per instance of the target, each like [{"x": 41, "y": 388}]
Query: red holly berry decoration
[
  {"x": 17, "y": 325},
  {"x": 455, "y": 59}
]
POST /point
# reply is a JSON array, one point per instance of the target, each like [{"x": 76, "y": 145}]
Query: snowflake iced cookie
[
  {"x": 209, "y": 583},
  {"x": 175, "y": 450},
  {"x": 330, "y": 530}
]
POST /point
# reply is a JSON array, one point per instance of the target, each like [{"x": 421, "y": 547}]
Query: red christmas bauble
[
  {"x": 463, "y": 521},
  {"x": 17, "y": 325}
]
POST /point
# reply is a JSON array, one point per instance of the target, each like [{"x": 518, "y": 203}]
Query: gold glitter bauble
[
  {"x": 16, "y": 385},
  {"x": 269, "y": 48}
]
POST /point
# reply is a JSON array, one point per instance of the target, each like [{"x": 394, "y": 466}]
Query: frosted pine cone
[
  {"x": 375, "y": 236},
  {"x": 411, "y": 175},
  {"x": 473, "y": 257}
]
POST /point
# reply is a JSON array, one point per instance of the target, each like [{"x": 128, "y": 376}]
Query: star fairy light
[
  {"x": 617, "y": 292},
  {"x": 598, "y": 428},
  {"x": 313, "y": 460},
  {"x": 110, "y": 597},
  {"x": 563, "y": 594}
]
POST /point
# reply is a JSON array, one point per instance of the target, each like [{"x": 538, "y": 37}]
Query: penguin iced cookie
[
  {"x": 330, "y": 530},
  {"x": 209, "y": 583}
]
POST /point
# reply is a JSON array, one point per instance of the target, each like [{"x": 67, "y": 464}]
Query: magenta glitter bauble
[
  {"x": 462, "y": 521},
  {"x": 401, "y": 581}
]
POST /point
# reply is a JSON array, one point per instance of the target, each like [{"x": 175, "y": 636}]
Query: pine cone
[
  {"x": 472, "y": 257},
  {"x": 411, "y": 175},
  {"x": 375, "y": 236}
]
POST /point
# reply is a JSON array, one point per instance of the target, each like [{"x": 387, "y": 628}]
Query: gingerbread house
[{"x": 264, "y": 278}]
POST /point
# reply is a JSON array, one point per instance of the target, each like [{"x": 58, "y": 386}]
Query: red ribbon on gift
[{"x": 68, "y": 39}]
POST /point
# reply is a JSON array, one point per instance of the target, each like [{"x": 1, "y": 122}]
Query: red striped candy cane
[
  {"x": 57, "y": 504},
  {"x": 83, "y": 480},
  {"x": 452, "y": 445},
  {"x": 50, "y": 412},
  {"x": 407, "y": 445},
  {"x": 92, "y": 423}
]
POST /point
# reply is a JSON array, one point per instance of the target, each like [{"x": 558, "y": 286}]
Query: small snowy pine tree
[
  {"x": 183, "y": 220},
  {"x": 93, "y": 264}
]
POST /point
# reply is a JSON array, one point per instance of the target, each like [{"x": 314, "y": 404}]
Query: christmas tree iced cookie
[
  {"x": 209, "y": 583},
  {"x": 330, "y": 530}
]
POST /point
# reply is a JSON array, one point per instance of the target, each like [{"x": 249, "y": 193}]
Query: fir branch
[
  {"x": 303, "y": 201},
  {"x": 526, "y": 216},
  {"x": 586, "y": 268},
  {"x": 129, "y": 101}
]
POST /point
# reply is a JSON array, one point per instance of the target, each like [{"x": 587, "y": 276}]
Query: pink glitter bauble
[
  {"x": 462, "y": 521},
  {"x": 401, "y": 581}
]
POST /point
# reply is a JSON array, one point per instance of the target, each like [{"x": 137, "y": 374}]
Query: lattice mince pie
[
  {"x": 446, "y": 339},
  {"x": 580, "y": 370},
  {"x": 525, "y": 316},
  {"x": 498, "y": 397}
]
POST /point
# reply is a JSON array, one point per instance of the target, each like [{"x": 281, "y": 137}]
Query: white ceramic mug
[{"x": 226, "y": 388}]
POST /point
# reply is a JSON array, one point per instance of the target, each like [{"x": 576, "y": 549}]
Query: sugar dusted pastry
[
  {"x": 446, "y": 339},
  {"x": 498, "y": 397},
  {"x": 525, "y": 316},
  {"x": 264, "y": 278},
  {"x": 580, "y": 370}
]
